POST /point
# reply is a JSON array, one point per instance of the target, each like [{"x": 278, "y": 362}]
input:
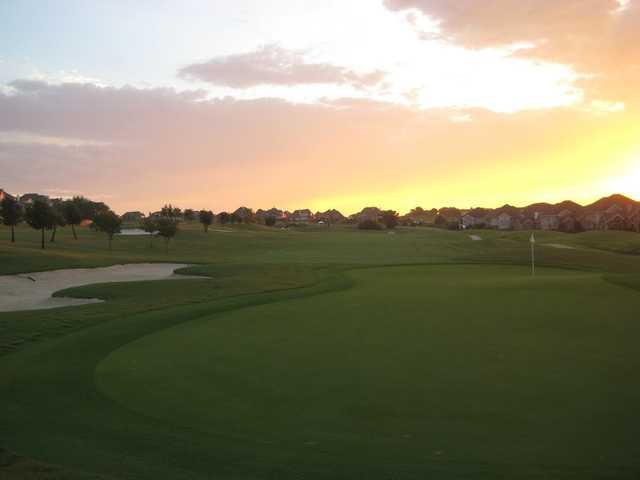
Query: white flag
[{"x": 532, "y": 239}]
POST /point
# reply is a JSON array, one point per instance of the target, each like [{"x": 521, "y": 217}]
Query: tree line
[{"x": 46, "y": 216}]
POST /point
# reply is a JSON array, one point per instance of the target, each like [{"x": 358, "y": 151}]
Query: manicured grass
[{"x": 329, "y": 353}]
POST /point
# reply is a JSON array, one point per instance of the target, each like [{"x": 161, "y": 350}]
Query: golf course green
[{"x": 329, "y": 353}]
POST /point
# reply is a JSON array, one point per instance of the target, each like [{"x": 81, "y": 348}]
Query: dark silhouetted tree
[
  {"x": 206, "y": 219},
  {"x": 189, "y": 215},
  {"x": 270, "y": 221},
  {"x": 150, "y": 225},
  {"x": 89, "y": 209},
  {"x": 440, "y": 222},
  {"x": 224, "y": 218},
  {"x": 107, "y": 222},
  {"x": 390, "y": 219},
  {"x": 169, "y": 211},
  {"x": 167, "y": 229},
  {"x": 72, "y": 215},
  {"x": 11, "y": 213},
  {"x": 39, "y": 216},
  {"x": 57, "y": 218},
  {"x": 369, "y": 224}
]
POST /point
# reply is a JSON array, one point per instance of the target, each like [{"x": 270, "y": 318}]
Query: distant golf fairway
[{"x": 459, "y": 370}]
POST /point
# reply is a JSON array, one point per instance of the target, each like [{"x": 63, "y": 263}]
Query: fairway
[{"x": 324, "y": 354}]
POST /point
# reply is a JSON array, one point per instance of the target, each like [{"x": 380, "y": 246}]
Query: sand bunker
[
  {"x": 133, "y": 231},
  {"x": 32, "y": 291},
  {"x": 558, "y": 245},
  {"x": 475, "y": 238}
]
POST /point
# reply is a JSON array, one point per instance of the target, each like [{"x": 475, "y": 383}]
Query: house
[
  {"x": 568, "y": 222},
  {"x": 615, "y": 221},
  {"x": 330, "y": 216},
  {"x": 592, "y": 221},
  {"x": 4, "y": 195},
  {"x": 420, "y": 216},
  {"x": 634, "y": 220},
  {"x": 301, "y": 216},
  {"x": 504, "y": 221},
  {"x": 468, "y": 220},
  {"x": 548, "y": 222},
  {"x": 367, "y": 213},
  {"x": 475, "y": 218},
  {"x": 30, "y": 198},
  {"x": 133, "y": 217}
]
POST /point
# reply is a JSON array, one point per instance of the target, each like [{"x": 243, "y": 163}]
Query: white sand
[
  {"x": 32, "y": 291},
  {"x": 558, "y": 245},
  {"x": 475, "y": 238},
  {"x": 133, "y": 231}
]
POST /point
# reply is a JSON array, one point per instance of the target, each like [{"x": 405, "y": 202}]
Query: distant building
[
  {"x": 504, "y": 221},
  {"x": 420, "y": 216},
  {"x": 133, "y": 217},
  {"x": 330, "y": 216},
  {"x": 615, "y": 221},
  {"x": 4, "y": 195},
  {"x": 592, "y": 221},
  {"x": 474, "y": 218},
  {"x": 548, "y": 222},
  {"x": 301, "y": 216},
  {"x": 367, "y": 213},
  {"x": 451, "y": 215},
  {"x": 30, "y": 198},
  {"x": 276, "y": 213}
]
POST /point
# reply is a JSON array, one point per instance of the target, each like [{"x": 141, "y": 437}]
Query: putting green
[{"x": 446, "y": 370}]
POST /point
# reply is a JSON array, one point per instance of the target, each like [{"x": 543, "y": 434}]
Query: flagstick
[{"x": 533, "y": 256}]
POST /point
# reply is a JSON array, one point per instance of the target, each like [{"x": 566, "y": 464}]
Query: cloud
[
  {"x": 139, "y": 148},
  {"x": 274, "y": 65},
  {"x": 599, "y": 38}
]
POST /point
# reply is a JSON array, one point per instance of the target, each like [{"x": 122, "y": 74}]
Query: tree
[
  {"x": 72, "y": 215},
  {"x": 189, "y": 215},
  {"x": 167, "y": 228},
  {"x": 440, "y": 221},
  {"x": 270, "y": 221},
  {"x": 224, "y": 218},
  {"x": 169, "y": 211},
  {"x": 11, "y": 213},
  {"x": 57, "y": 218},
  {"x": 369, "y": 224},
  {"x": 150, "y": 225},
  {"x": 390, "y": 219},
  {"x": 89, "y": 209},
  {"x": 235, "y": 218},
  {"x": 206, "y": 219},
  {"x": 39, "y": 216},
  {"x": 108, "y": 222}
]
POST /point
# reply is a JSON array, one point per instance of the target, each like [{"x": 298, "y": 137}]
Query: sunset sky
[{"x": 320, "y": 104}]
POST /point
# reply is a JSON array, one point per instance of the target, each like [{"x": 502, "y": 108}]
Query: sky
[{"x": 320, "y": 103}]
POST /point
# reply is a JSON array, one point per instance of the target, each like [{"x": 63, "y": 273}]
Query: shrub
[
  {"x": 369, "y": 225},
  {"x": 270, "y": 221}
]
